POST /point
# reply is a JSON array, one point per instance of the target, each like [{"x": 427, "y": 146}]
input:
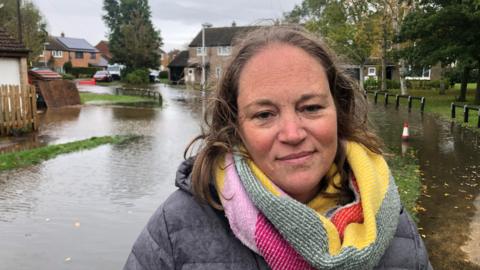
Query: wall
[
  {"x": 212, "y": 58},
  {"x": 70, "y": 56},
  {"x": 23, "y": 71},
  {"x": 10, "y": 71}
]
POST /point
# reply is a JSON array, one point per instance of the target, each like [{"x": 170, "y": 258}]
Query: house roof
[
  {"x": 55, "y": 45},
  {"x": 220, "y": 36},
  {"x": 10, "y": 46},
  {"x": 76, "y": 44},
  {"x": 69, "y": 44},
  {"x": 181, "y": 60},
  {"x": 102, "y": 62}
]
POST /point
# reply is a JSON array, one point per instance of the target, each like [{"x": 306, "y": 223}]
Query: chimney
[
  {"x": 62, "y": 34},
  {"x": 234, "y": 24}
]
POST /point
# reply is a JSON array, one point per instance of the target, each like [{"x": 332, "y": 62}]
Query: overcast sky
[{"x": 178, "y": 20}]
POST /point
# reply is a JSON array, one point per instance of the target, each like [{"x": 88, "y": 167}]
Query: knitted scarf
[{"x": 320, "y": 235}]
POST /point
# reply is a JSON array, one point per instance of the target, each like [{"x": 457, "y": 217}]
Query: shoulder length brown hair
[{"x": 220, "y": 133}]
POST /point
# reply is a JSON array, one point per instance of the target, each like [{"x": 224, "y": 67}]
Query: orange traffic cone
[{"x": 405, "y": 133}]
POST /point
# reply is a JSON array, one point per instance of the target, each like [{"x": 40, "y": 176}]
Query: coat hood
[{"x": 183, "y": 178}]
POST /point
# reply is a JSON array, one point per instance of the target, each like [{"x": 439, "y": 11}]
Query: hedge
[{"x": 84, "y": 71}]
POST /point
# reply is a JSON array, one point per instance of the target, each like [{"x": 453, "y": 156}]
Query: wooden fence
[{"x": 18, "y": 109}]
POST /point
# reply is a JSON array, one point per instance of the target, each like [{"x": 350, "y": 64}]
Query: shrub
[
  {"x": 67, "y": 76},
  {"x": 393, "y": 84},
  {"x": 83, "y": 71},
  {"x": 138, "y": 76},
  {"x": 371, "y": 84},
  {"x": 427, "y": 84},
  {"x": 163, "y": 74},
  {"x": 67, "y": 67}
]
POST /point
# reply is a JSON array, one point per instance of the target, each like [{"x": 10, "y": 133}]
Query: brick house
[
  {"x": 104, "y": 50},
  {"x": 13, "y": 61},
  {"x": 60, "y": 50},
  {"x": 218, "y": 48}
]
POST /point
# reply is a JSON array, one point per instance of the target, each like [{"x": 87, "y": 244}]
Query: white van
[{"x": 115, "y": 70}]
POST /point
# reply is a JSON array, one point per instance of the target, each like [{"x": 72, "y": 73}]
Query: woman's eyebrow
[
  {"x": 260, "y": 102},
  {"x": 306, "y": 97}
]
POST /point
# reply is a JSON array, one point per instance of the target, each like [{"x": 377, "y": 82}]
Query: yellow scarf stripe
[
  {"x": 220, "y": 173},
  {"x": 372, "y": 174},
  {"x": 320, "y": 204}
]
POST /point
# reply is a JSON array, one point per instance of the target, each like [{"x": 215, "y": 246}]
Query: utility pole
[
  {"x": 19, "y": 22},
  {"x": 204, "y": 52}
]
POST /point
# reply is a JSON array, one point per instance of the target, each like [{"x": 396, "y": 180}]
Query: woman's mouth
[{"x": 296, "y": 158}]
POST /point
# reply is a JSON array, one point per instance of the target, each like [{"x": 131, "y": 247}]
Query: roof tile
[
  {"x": 9, "y": 44},
  {"x": 220, "y": 36}
]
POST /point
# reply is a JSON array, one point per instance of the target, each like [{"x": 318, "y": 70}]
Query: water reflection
[{"x": 89, "y": 206}]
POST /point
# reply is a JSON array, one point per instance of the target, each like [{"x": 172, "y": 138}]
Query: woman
[{"x": 288, "y": 175}]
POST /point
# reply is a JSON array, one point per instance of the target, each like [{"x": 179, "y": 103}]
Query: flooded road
[
  {"x": 84, "y": 210},
  {"x": 449, "y": 159}
]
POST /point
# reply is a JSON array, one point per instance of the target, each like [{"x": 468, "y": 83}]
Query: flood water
[
  {"x": 84, "y": 210},
  {"x": 449, "y": 160}
]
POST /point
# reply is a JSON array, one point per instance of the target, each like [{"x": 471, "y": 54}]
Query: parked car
[{"x": 102, "y": 76}]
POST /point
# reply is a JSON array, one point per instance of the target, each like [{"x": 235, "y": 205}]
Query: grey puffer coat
[{"x": 188, "y": 235}]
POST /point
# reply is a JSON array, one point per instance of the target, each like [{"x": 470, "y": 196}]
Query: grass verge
[
  {"x": 165, "y": 81},
  {"x": 441, "y": 104},
  {"x": 406, "y": 171},
  {"x": 92, "y": 98},
  {"x": 112, "y": 83},
  {"x": 34, "y": 156}
]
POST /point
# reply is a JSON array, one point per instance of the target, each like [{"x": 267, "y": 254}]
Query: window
[
  {"x": 93, "y": 55},
  {"x": 57, "y": 54},
  {"x": 421, "y": 73},
  {"x": 372, "y": 71},
  {"x": 426, "y": 72},
  {"x": 79, "y": 55},
  {"x": 201, "y": 51},
  {"x": 224, "y": 50}
]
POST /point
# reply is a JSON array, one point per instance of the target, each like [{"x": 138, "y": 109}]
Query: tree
[
  {"x": 350, "y": 27},
  {"x": 133, "y": 40},
  {"x": 33, "y": 26},
  {"x": 446, "y": 31}
]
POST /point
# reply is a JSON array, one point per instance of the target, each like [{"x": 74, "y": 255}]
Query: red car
[{"x": 102, "y": 76}]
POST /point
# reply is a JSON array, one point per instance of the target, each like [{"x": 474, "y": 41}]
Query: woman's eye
[
  {"x": 312, "y": 108},
  {"x": 263, "y": 115}
]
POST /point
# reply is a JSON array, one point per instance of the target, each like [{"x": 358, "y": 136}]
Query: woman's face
[{"x": 288, "y": 119}]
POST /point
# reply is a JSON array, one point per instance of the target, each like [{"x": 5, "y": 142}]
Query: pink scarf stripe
[
  {"x": 276, "y": 251},
  {"x": 234, "y": 199}
]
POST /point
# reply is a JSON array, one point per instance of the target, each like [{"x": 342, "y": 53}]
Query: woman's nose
[{"x": 292, "y": 130}]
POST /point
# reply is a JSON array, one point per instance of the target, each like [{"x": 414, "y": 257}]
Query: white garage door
[{"x": 9, "y": 71}]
